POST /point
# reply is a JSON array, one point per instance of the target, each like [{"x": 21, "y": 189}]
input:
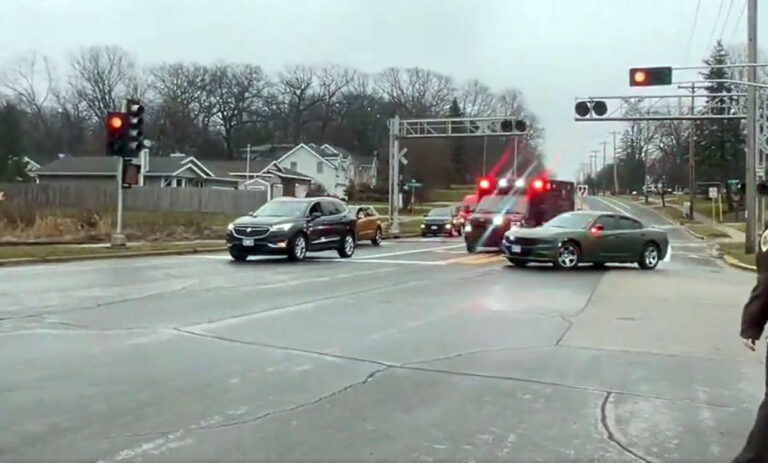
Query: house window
[
  {"x": 294, "y": 165},
  {"x": 319, "y": 167}
]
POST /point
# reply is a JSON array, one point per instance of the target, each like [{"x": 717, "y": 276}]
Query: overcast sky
[{"x": 552, "y": 50}]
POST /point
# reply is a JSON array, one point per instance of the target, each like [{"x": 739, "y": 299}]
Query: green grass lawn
[
  {"x": 454, "y": 196},
  {"x": 43, "y": 251},
  {"x": 707, "y": 231},
  {"x": 736, "y": 250}
]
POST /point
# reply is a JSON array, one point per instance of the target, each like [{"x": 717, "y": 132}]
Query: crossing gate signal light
[
  {"x": 591, "y": 107},
  {"x": 509, "y": 126},
  {"x": 648, "y": 77}
]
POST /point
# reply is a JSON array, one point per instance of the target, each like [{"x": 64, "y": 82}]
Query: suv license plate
[
  {"x": 515, "y": 248},
  {"x": 247, "y": 242}
]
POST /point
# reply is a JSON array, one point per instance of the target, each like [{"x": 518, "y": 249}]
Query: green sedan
[{"x": 592, "y": 237}]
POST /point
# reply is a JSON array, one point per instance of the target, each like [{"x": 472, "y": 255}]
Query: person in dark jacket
[{"x": 753, "y": 321}]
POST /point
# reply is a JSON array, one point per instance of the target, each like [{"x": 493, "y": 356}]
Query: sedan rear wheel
[
  {"x": 649, "y": 258},
  {"x": 568, "y": 255},
  {"x": 377, "y": 237}
]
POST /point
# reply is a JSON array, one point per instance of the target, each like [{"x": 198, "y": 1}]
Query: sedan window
[
  {"x": 608, "y": 222},
  {"x": 625, "y": 223}
]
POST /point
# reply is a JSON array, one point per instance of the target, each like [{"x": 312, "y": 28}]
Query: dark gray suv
[{"x": 293, "y": 227}]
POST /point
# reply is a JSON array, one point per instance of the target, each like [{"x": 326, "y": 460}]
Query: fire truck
[{"x": 515, "y": 203}]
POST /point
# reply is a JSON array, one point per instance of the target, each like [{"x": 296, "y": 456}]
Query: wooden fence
[{"x": 33, "y": 197}]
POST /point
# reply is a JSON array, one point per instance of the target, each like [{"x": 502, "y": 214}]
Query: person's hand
[{"x": 750, "y": 344}]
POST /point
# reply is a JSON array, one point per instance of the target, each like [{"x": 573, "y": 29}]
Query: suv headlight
[
  {"x": 230, "y": 227},
  {"x": 282, "y": 227},
  {"x": 498, "y": 220}
]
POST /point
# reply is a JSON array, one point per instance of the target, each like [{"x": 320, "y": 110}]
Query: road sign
[
  {"x": 712, "y": 192},
  {"x": 582, "y": 190},
  {"x": 412, "y": 184},
  {"x": 401, "y": 156}
]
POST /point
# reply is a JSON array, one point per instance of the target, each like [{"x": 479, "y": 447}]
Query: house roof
[
  {"x": 289, "y": 173},
  {"x": 335, "y": 151},
  {"x": 80, "y": 165},
  {"x": 228, "y": 168},
  {"x": 312, "y": 148}
]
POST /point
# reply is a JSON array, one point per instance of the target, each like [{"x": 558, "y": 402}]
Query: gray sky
[{"x": 552, "y": 50}]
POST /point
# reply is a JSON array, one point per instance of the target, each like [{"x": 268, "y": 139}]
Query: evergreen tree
[
  {"x": 720, "y": 143},
  {"x": 12, "y": 166}
]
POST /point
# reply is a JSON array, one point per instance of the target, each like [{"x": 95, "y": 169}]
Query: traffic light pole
[{"x": 118, "y": 239}]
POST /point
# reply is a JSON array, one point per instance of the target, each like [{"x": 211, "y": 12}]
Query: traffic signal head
[
  {"x": 135, "y": 127},
  {"x": 117, "y": 129},
  {"x": 647, "y": 77}
]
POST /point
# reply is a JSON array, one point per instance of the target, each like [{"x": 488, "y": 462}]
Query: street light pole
[{"x": 615, "y": 167}]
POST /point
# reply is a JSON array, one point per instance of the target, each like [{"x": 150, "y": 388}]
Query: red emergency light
[
  {"x": 484, "y": 184},
  {"x": 538, "y": 184}
]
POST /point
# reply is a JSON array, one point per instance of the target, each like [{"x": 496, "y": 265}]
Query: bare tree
[
  {"x": 297, "y": 86},
  {"x": 476, "y": 99},
  {"x": 416, "y": 92},
  {"x": 235, "y": 91},
  {"x": 30, "y": 80},
  {"x": 332, "y": 82},
  {"x": 101, "y": 76}
]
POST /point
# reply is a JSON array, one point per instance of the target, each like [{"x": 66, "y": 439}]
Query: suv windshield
[
  {"x": 570, "y": 221},
  {"x": 440, "y": 212},
  {"x": 503, "y": 204},
  {"x": 282, "y": 209}
]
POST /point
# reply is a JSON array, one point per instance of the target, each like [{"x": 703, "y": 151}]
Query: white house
[{"x": 327, "y": 166}]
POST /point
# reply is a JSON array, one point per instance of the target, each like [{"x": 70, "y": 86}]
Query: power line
[
  {"x": 693, "y": 29},
  {"x": 738, "y": 21},
  {"x": 727, "y": 15},
  {"x": 714, "y": 25}
]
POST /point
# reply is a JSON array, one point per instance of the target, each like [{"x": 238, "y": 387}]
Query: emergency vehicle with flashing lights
[{"x": 514, "y": 203}]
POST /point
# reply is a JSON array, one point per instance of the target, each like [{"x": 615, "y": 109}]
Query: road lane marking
[
  {"x": 473, "y": 259},
  {"x": 393, "y": 261},
  {"x": 412, "y": 251}
]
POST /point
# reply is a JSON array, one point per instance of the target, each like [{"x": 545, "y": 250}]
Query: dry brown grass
[{"x": 64, "y": 225}]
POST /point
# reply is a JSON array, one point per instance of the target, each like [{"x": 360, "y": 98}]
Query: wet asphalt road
[{"x": 412, "y": 351}]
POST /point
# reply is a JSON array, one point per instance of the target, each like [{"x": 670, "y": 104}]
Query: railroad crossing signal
[
  {"x": 589, "y": 108},
  {"x": 647, "y": 77}
]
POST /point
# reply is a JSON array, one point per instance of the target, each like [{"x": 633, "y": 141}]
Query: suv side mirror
[{"x": 315, "y": 215}]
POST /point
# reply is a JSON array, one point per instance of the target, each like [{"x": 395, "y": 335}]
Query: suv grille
[{"x": 256, "y": 231}]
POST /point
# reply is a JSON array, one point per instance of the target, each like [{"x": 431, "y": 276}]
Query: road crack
[
  {"x": 569, "y": 319},
  {"x": 609, "y": 433}
]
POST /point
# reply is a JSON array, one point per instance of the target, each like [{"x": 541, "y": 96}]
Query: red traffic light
[
  {"x": 115, "y": 123},
  {"x": 639, "y": 77},
  {"x": 484, "y": 184}
]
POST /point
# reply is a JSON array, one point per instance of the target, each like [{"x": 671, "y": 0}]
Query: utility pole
[
  {"x": 485, "y": 145},
  {"x": 248, "y": 163},
  {"x": 615, "y": 167},
  {"x": 604, "y": 143},
  {"x": 515, "y": 156},
  {"x": 595, "y": 153},
  {"x": 753, "y": 203},
  {"x": 692, "y": 153}
]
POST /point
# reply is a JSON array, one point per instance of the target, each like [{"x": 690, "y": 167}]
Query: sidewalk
[{"x": 734, "y": 234}]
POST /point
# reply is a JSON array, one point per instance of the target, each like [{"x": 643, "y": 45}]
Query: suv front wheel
[{"x": 297, "y": 247}]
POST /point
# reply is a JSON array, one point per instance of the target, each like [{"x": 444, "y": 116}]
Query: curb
[
  {"x": 693, "y": 233},
  {"x": 735, "y": 263},
  {"x": 117, "y": 255}
]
